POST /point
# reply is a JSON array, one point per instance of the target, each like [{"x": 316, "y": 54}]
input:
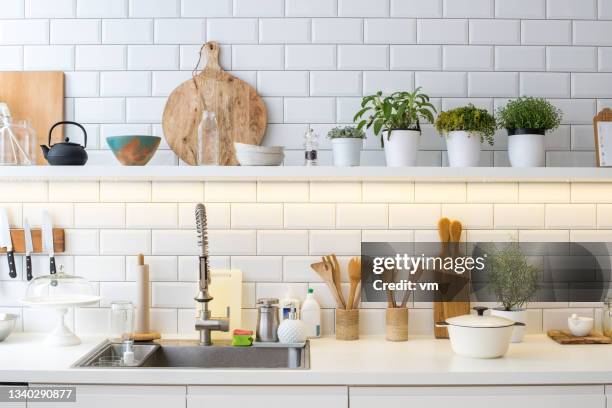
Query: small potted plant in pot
[
  {"x": 346, "y": 144},
  {"x": 397, "y": 119},
  {"x": 514, "y": 281},
  {"x": 466, "y": 128},
  {"x": 527, "y": 120}
]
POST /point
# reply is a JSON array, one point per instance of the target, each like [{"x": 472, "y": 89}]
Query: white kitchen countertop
[{"x": 369, "y": 361}]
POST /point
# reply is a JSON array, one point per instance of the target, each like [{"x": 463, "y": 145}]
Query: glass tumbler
[{"x": 122, "y": 322}]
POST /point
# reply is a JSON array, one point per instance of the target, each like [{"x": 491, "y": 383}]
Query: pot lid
[{"x": 480, "y": 320}]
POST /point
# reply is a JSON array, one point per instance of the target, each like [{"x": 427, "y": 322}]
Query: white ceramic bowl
[
  {"x": 580, "y": 326},
  {"x": 242, "y": 147},
  {"x": 260, "y": 159},
  {"x": 7, "y": 324}
]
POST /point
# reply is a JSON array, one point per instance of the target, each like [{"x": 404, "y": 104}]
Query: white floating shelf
[{"x": 300, "y": 173}]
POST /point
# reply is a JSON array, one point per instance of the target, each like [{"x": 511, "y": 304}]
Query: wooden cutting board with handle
[
  {"x": 241, "y": 113},
  {"x": 565, "y": 337},
  {"x": 37, "y": 97}
]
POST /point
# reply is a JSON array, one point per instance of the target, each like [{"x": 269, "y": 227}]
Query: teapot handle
[{"x": 68, "y": 123}]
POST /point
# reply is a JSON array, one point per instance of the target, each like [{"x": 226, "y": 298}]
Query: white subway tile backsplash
[
  {"x": 519, "y": 216},
  {"x": 63, "y": 31},
  {"x": 575, "y": 59},
  {"x": 591, "y": 85},
  {"x": 498, "y": 84},
  {"x": 542, "y": 32},
  {"x": 331, "y": 192},
  {"x": 279, "y": 83},
  {"x": 451, "y": 84},
  {"x": 498, "y": 32},
  {"x": 48, "y": 57},
  {"x": 390, "y": 31},
  {"x": 468, "y": 8},
  {"x": 12, "y": 58},
  {"x": 180, "y": 31},
  {"x": 310, "y": 110},
  {"x": 312, "y": 8},
  {"x": 154, "y": 8},
  {"x": 117, "y": 192},
  {"x": 172, "y": 295},
  {"x": 127, "y": 31},
  {"x": 390, "y": 192},
  {"x": 98, "y": 215},
  {"x": 335, "y": 242},
  {"x": 571, "y": 9},
  {"x": 151, "y": 215},
  {"x": 143, "y": 110},
  {"x": 363, "y": 57},
  {"x": 472, "y": 216},
  {"x": 526, "y": 9},
  {"x": 439, "y": 31},
  {"x": 312, "y": 57},
  {"x": 337, "y": 31},
  {"x": 591, "y": 193},
  {"x": 362, "y": 216},
  {"x": 125, "y": 242},
  {"x": 492, "y": 193},
  {"x": 416, "y": 8},
  {"x": 363, "y": 8},
  {"x": 520, "y": 58},
  {"x": 218, "y": 215},
  {"x": 290, "y": 242},
  {"x": 218, "y": 192},
  {"x": 414, "y": 216},
  {"x": 544, "y": 193},
  {"x": 156, "y": 57},
  {"x": 161, "y": 268},
  {"x": 258, "y": 8},
  {"x": 206, "y": 8},
  {"x": 282, "y": 191},
  {"x": 12, "y": 9},
  {"x": 309, "y": 216},
  {"x": 545, "y": 85},
  {"x": 101, "y": 57},
  {"x": 262, "y": 216},
  {"x": 467, "y": 58},
  {"x": 105, "y": 9},
  {"x": 120, "y": 83},
  {"x": 248, "y": 57},
  {"x": 387, "y": 82},
  {"x": 284, "y": 31},
  {"x": 177, "y": 191},
  {"x": 440, "y": 192},
  {"x": 571, "y": 216},
  {"x": 233, "y": 31},
  {"x": 416, "y": 57},
  {"x": 49, "y": 8}
]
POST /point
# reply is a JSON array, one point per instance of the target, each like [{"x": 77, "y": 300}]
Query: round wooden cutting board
[{"x": 241, "y": 113}]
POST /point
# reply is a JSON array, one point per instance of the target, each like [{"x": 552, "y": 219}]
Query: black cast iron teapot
[{"x": 67, "y": 153}]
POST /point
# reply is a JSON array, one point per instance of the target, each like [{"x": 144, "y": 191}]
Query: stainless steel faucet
[{"x": 205, "y": 324}]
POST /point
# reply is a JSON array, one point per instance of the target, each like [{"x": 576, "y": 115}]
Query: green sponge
[{"x": 242, "y": 338}]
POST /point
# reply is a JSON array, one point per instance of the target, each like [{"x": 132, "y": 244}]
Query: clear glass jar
[
  {"x": 122, "y": 322},
  {"x": 18, "y": 143},
  {"x": 208, "y": 140},
  {"x": 606, "y": 318}
]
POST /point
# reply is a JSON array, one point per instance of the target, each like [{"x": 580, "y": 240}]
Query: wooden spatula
[
  {"x": 438, "y": 311},
  {"x": 325, "y": 272},
  {"x": 457, "y": 308},
  {"x": 337, "y": 279},
  {"x": 354, "y": 269}
]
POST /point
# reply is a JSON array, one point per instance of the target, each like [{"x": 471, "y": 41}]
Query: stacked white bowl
[{"x": 252, "y": 155}]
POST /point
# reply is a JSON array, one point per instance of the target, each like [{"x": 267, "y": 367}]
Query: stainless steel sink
[{"x": 182, "y": 354}]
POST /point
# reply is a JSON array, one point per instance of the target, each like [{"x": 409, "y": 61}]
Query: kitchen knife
[
  {"x": 47, "y": 238},
  {"x": 5, "y": 232},
  {"x": 29, "y": 248}
]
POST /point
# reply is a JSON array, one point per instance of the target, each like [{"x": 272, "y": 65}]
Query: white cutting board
[{"x": 226, "y": 290}]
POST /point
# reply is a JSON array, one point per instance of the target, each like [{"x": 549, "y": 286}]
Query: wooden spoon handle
[{"x": 351, "y": 300}]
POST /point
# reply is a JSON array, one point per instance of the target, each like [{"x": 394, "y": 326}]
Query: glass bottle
[
  {"x": 606, "y": 318},
  {"x": 208, "y": 140},
  {"x": 311, "y": 145}
]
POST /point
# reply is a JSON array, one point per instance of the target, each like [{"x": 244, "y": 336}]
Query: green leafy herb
[
  {"x": 469, "y": 119},
  {"x": 348, "y": 132},
  {"x": 512, "y": 279},
  {"x": 529, "y": 113},
  {"x": 398, "y": 111}
]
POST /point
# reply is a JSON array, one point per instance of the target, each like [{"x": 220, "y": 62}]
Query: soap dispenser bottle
[{"x": 292, "y": 330}]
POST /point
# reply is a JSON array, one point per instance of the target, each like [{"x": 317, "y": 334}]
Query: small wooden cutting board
[{"x": 565, "y": 337}]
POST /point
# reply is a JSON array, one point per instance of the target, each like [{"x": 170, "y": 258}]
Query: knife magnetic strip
[{"x": 17, "y": 236}]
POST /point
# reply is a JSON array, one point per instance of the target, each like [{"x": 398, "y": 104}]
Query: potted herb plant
[
  {"x": 397, "y": 119},
  {"x": 514, "y": 281},
  {"x": 346, "y": 145},
  {"x": 527, "y": 120},
  {"x": 466, "y": 128}
]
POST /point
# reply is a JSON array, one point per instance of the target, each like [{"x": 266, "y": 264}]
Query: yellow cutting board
[{"x": 226, "y": 290}]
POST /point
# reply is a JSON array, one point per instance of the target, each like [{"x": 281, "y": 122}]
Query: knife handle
[
  {"x": 52, "y": 269},
  {"x": 29, "y": 267},
  {"x": 11, "y": 262}
]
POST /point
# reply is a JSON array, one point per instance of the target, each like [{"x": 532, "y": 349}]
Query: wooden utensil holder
[
  {"x": 18, "y": 239},
  {"x": 397, "y": 324},
  {"x": 347, "y": 324}
]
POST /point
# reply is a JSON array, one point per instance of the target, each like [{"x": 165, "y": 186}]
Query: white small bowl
[
  {"x": 242, "y": 147},
  {"x": 580, "y": 326},
  {"x": 259, "y": 159}
]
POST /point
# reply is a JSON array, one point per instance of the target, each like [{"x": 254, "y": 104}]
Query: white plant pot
[
  {"x": 402, "y": 148},
  {"x": 527, "y": 150},
  {"x": 520, "y": 316},
  {"x": 347, "y": 151},
  {"x": 463, "y": 149}
]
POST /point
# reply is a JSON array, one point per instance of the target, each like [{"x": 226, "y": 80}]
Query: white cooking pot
[{"x": 479, "y": 336}]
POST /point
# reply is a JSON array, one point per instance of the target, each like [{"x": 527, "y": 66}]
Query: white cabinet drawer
[
  {"x": 267, "y": 397},
  {"x": 479, "y": 397},
  {"x": 122, "y": 396}
]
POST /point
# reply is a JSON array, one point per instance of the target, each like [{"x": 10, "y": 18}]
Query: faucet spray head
[{"x": 202, "y": 228}]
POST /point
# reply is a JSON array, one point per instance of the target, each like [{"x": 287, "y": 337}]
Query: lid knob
[{"x": 480, "y": 310}]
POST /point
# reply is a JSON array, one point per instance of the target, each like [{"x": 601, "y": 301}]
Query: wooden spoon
[
  {"x": 338, "y": 279},
  {"x": 455, "y": 236},
  {"x": 387, "y": 277},
  {"x": 325, "y": 272},
  {"x": 354, "y": 269},
  {"x": 328, "y": 260}
]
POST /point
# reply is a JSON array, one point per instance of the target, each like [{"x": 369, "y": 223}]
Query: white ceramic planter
[
  {"x": 519, "y": 316},
  {"x": 526, "y": 149},
  {"x": 402, "y": 148},
  {"x": 463, "y": 149},
  {"x": 347, "y": 151}
]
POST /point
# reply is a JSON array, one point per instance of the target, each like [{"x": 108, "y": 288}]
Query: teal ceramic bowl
[{"x": 133, "y": 150}]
